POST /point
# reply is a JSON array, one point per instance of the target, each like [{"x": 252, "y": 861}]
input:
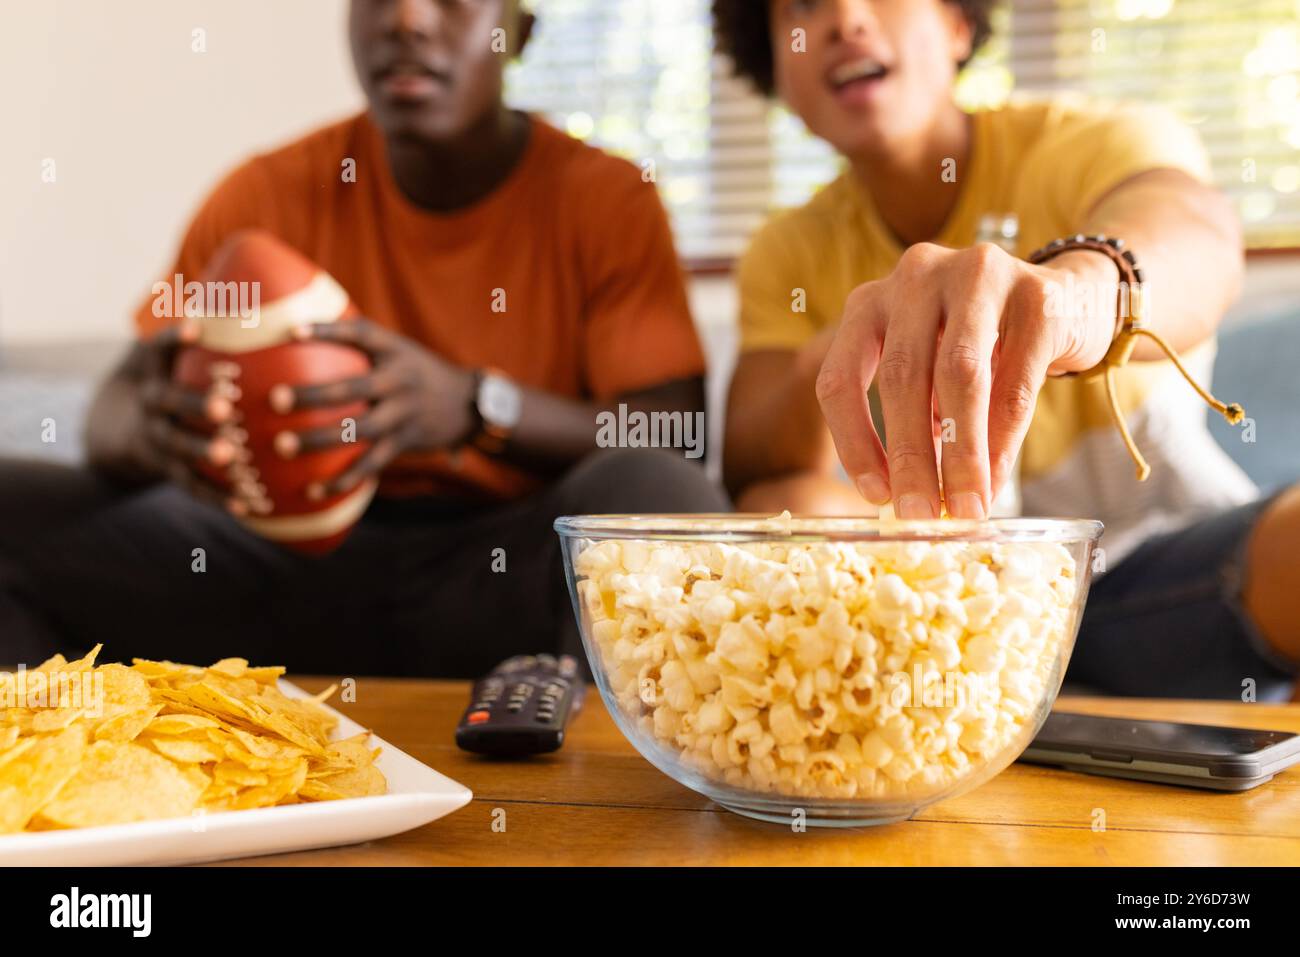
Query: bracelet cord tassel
[
  {"x": 1119, "y": 355},
  {"x": 1129, "y": 309}
]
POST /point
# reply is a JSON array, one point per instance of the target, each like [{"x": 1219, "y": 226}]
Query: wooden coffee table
[{"x": 597, "y": 802}]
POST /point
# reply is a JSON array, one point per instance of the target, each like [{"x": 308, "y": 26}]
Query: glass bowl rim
[{"x": 762, "y": 527}]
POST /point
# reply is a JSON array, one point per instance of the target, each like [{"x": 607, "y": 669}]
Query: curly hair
[{"x": 743, "y": 31}]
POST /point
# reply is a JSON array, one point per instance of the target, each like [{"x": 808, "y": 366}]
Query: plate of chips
[{"x": 163, "y": 763}]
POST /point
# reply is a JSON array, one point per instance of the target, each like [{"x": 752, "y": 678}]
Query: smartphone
[{"x": 1193, "y": 755}]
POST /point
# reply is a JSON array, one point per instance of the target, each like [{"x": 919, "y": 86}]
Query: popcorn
[{"x": 829, "y": 669}]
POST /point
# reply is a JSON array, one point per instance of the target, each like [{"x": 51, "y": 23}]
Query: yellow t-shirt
[{"x": 1047, "y": 162}]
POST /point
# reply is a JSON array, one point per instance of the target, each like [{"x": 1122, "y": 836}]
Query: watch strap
[{"x": 488, "y": 437}]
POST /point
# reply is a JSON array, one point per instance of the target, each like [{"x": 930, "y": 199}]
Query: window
[
  {"x": 1232, "y": 70},
  {"x": 638, "y": 77}
]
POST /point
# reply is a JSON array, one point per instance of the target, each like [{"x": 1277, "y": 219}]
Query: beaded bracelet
[{"x": 1129, "y": 325}]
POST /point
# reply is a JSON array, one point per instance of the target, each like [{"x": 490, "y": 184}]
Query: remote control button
[{"x": 478, "y": 717}]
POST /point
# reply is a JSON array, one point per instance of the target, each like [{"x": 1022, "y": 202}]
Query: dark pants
[
  {"x": 1169, "y": 621},
  {"x": 413, "y": 590}
]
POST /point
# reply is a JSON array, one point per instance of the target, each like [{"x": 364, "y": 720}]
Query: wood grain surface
[{"x": 597, "y": 802}]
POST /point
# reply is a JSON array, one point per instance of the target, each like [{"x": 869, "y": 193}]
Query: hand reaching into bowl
[{"x": 962, "y": 336}]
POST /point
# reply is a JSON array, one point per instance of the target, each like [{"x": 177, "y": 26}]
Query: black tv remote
[{"x": 521, "y": 706}]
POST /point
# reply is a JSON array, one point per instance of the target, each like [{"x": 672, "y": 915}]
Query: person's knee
[
  {"x": 1272, "y": 573},
  {"x": 639, "y": 480}
]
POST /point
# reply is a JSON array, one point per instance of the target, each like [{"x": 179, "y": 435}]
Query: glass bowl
[{"x": 841, "y": 671}]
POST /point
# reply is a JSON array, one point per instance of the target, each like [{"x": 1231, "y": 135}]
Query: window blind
[
  {"x": 640, "y": 79},
  {"x": 1231, "y": 70}
]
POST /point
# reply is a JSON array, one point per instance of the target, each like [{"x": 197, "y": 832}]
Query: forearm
[
  {"x": 556, "y": 431},
  {"x": 1188, "y": 244},
  {"x": 774, "y": 423}
]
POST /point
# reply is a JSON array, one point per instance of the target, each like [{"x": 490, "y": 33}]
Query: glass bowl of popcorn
[{"x": 840, "y": 671}]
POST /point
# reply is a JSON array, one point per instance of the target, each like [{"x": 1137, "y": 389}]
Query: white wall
[{"x": 139, "y": 127}]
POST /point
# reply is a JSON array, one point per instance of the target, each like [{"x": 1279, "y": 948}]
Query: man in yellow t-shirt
[{"x": 898, "y": 303}]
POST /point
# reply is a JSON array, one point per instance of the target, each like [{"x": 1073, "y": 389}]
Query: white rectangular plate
[{"x": 417, "y": 794}]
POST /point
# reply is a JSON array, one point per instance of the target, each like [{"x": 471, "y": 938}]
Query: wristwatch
[{"x": 498, "y": 403}]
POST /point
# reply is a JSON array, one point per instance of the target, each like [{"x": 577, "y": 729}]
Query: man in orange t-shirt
[{"x": 517, "y": 283}]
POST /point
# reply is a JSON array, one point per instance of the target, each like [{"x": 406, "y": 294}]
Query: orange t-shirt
[{"x": 574, "y": 243}]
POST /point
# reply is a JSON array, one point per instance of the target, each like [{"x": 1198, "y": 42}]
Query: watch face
[{"x": 499, "y": 402}]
